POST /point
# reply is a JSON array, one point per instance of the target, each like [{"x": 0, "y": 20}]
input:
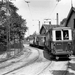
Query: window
[
  {"x": 65, "y": 35},
  {"x": 74, "y": 23},
  {"x": 58, "y": 35}
]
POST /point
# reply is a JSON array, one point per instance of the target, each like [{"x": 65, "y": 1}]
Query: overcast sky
[{"x": 42, "y": 9}]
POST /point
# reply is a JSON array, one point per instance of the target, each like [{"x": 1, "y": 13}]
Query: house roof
[
  {"x": 72, "y": 10},
  {"x": 47, "y": 27}
]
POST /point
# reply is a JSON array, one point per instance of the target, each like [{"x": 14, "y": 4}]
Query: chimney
[{"x": 57, "y": 18}]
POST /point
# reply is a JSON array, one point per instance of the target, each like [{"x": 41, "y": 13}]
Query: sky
[{"x": 38, "y": 10}]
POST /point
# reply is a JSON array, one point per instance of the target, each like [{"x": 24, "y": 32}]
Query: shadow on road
[
  {"x": 64, "y": 59},
  {"x": 48, "y": 57}
]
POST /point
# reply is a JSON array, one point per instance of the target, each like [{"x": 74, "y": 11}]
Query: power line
[
  {"x": 54, "y": 9},
  {"x": 28, "y": 7}
]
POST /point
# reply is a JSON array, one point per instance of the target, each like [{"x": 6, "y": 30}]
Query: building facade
[
  {"x": 70, "y": 22},
  {"x": 45, "y": 27}
]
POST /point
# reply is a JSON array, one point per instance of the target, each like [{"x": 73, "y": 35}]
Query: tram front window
[
  {"x": 65, "y": 34},
  {"x": 58, "y": 35}
]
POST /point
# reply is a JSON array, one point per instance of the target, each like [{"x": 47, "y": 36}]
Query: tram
[
  {"x": 40, "y": 40},
  {"x": 58, "y": 42}
]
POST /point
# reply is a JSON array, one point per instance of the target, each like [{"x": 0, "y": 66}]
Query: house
[
  {"x": 46, "y": 27},
  {"x": 70, "y": 22}
]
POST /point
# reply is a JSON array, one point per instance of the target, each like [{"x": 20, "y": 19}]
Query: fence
[{"x": 15, "y": 50}]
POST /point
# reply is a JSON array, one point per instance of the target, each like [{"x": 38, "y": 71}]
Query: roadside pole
[{"x": 8, "y": 27}]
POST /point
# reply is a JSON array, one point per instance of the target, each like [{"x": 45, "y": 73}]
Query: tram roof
[{"x": 57, "y": 28}]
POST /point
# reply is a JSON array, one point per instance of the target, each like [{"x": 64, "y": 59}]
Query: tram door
[{"x": 59, "y": 44}]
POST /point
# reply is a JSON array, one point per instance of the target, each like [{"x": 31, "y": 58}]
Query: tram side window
[
  {"x": 58, "y": 35},
  {"x": 65, "y": 34}
]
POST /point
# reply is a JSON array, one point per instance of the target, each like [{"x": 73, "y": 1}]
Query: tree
[{"x": 16, "y": 23}]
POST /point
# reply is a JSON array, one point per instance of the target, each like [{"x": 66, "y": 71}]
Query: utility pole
[
  {"x": 39, "y": 26},
  {"x": 71, "y": 3},
  {"x": 7, "y": 13},
  {"x": 8, "y": 25}
]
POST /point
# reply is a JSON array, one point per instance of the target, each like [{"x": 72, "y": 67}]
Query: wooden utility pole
[
  {"x": 8, "y": 24},
  {"x": 39, "y": 26}
]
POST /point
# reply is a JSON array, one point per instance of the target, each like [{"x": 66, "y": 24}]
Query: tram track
[
  {"x": 35, "y": 60},
  {"x": 65, "y": 73},
  {"x": 30, "y": 62},
  {"x": 45, "y": 68},
  {"x": 50, "y": 65},
  {"x": 62, "y": 72}
]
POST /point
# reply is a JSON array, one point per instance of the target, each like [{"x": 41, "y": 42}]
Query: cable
[
  {"x": 28, "y": 7},
  {"x": 54, "y": 9}
]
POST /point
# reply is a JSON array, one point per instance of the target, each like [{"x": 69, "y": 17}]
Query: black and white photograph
[{"x": 37, "y": 37}]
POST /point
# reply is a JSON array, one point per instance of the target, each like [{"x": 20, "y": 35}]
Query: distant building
[{"x": 46, "y": 27}]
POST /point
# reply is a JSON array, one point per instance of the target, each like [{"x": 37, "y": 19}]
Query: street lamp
[{"x": 27, "y": 2}]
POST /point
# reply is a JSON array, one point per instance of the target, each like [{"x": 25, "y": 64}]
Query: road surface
[{"x": 37, "y": 62}]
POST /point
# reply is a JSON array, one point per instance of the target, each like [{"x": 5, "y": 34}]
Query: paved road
[
  {"x": 39, "y": 63},
  {"x": 21, "y": 61}
]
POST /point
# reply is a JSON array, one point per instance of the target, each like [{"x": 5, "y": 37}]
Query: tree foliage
[{"x": 16, "y": 23}]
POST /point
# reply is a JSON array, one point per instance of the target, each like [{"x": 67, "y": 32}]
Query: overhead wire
[
  {"x": 28, "y": 7},
  {"x": 29, "y": 12},
  {"x": 54, "y": 9}
]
